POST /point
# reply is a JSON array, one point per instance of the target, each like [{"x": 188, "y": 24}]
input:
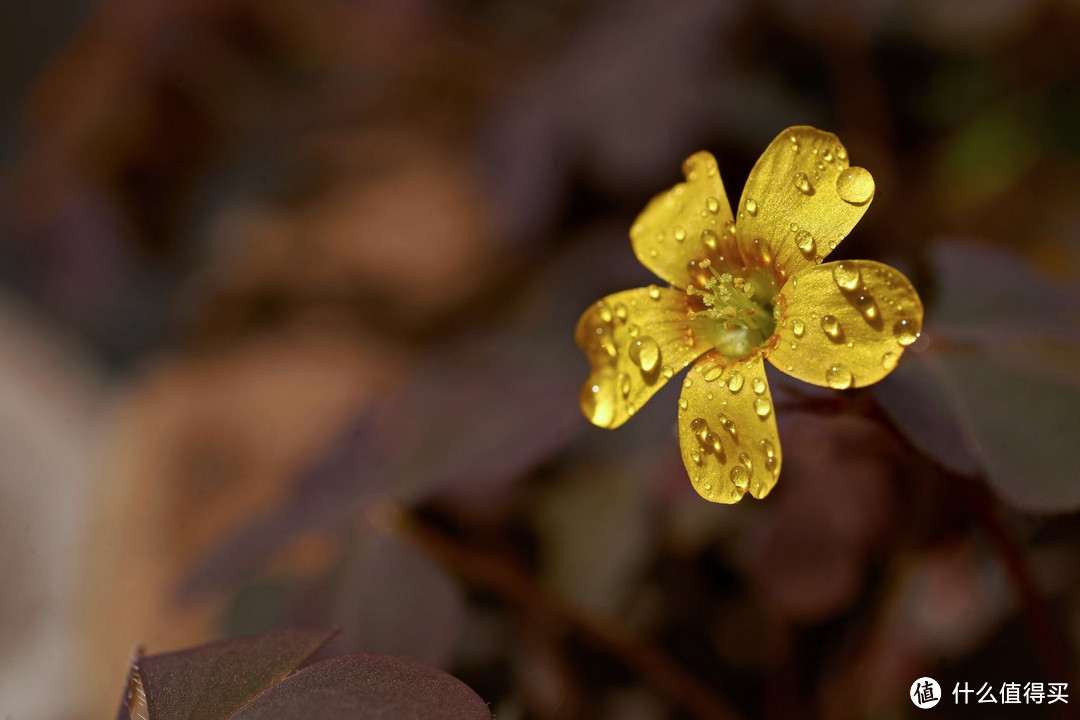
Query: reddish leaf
[
  {"x": 213, "y": 681},
  {"x": 368, "y": 687}
]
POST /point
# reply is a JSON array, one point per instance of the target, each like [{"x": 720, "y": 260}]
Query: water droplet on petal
[
  {"x": 654, "y": 292},
  {"x": 798, "y": 327},
  {"x": 906, "y": 332},
  {"x": 709, "y": 239},
  {"x": 762, "y": 406},
  {"x": 623, "y": 381},
  {"x": 695, "y": 456},
  {"x": 889, "y": 360},
  {"x": 803, "y": 183},
  {"x": 687, "y": 382},
  {"x": 751, "y": 206},
  {"x": 667, "y": 371},
  {"x": 740, "y": 478},
  {"x": 712, "y": 204},
  {"x": 698, "y": 426},
  {"x": 680, "y": 233},
  {"x": 735, "y": 382},
  {"x": 841, "y": 152},
  {"x": 712, "y": 443},
  {"x": 620, "y": 311},
  {"x": 828, "y": 156},
  {"x": 767, "y": 448},
  {"x": 597, "y": 405},
  {"x": 633, "y": 330},
  {"x": 846, "y": 275},
  {"x": 855, "y": 185},
  {"x": 683, "y": 404},
  {"x": 831, "y": 326},
  {"x": 645, "y": 353},
  {"x": 805, "y": 242},
  {"x": 758, "y": 384},
  {"x": 838, "y": 377},
  {"x": 712, "y": 373},
  {"x": 867, "y": 307}
]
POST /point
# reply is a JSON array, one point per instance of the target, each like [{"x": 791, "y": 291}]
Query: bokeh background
[{"x": 287, "y": 293}]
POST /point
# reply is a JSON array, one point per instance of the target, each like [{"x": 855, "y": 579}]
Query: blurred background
[{"x": 287, "y": 295}]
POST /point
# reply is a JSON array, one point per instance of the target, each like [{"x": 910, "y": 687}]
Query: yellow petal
[
  {"x": 845, "y": 324},
  {"x": 800, "y": 200},
  {"x": 727, "y": 429},
  {"x": 686, "y": 224},
  {"x": 636, "y": 340}
]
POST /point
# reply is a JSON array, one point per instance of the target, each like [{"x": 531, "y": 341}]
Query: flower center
[{"x": 737, "y": 314}]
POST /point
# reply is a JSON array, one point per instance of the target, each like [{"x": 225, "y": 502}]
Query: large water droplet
[
  {"x": 712, "y": 373},
  {"x": 740, "y": 478},
  {"x": 597, "y": 405},
  {"x": 798, "y": 327},
  {"x": 838, "y": 377},
  {"x": 855, "y": 185},
  {"x": 645, "y": 353},
  {"x": 654, "y": 292},
  {"x": 805, "y": 242},
  {"x": 762, "y": 406},
  {"x": 735, "y": 382},
  {"x": 803, "y": 183},
  {"x": 751, "y": 206},
  {"x": 831, "y": 326},
  {"x": 767, "y": 448},
  {"x": 906, "y": 332},
  {"x": 846, "y": 275},
  {"x": 709, "y": 239},
  {"x": 867, "y": 307},
  {"x": 667, "y": 371},
  {"x": 712, "y": 204},
  {"x": 712, "y": 443},
  {"x": 758, "y": 384}
]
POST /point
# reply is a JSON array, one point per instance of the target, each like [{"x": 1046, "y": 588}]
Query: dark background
[{"x": 287, "y": 294}]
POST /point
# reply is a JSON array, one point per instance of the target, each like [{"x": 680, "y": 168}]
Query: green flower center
[{"x": 738, "y": 313}]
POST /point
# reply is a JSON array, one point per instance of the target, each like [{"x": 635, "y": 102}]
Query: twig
[{"x": 497, "y": 575}]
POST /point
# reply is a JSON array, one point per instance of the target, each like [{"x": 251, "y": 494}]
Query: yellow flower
[{"x": 746, "y": 289}]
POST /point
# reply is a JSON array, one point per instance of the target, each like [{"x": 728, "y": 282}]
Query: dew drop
[
  {"x": 798, "y": 327},
  {"x": 767, "y": 448},
  {"x": 867, "y": 307},
  {"x": 698, "y": 426},
  {"x": 762, "y": 406},
  {"x": 597, "y": 405},
  {"x": 620, "y": 311},
  {"x": 735, "y": 382},
  {"x": 751, "y": 206},
  {"x": 680, "y": 233},
  {"x": 889, "y": 360},
  {"x": 654, "y": 292},
  {"x": 905, "y": 332},
  {"x": 841, "y": 152},
  {"x": 709, "y": 239},
  {"x": 624, "y": 384},
  {"x": 609, "y": 347},
  {"x": 805, "y": 242},
  {"x": 712, "y": 204},
  {"x": 687, "y": 382},
  {"x": 838, "y": 377},
  {"x": 831, "y": 326},
  {"x": 645, "y": 353},
  {"x": 605, "y": 315},
  {"x": 695, "y": 456},
  {"x": 712, "y": 373},
  {"x": 758, "y": 384},
  {"x": 855, "y": 185},
  {"x": 712, "y": 443},
  {"x": 740, "y": 478},
  {"x": 828, "y": 156},
  {"x": 633, "y": 330},
  {"x": 846, "y": 275},
  {"x": 667, "y": 371},
  {"x": 803, "y": 183},
  {"x": 683, "y": 404}
]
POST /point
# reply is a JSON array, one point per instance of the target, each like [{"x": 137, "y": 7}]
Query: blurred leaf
[
  {"x": 368, "y": 687},
  {"x": 998, "y": 387},
  {"x": 395, "y": 601},
  {"x": 594, "y": 530},
  {"x": 213, "y": 681}
]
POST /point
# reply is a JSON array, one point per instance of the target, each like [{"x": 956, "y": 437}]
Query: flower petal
[
  {"x": 727, "y": 429},
  {"x": 800, "y": 200},
  {"x": 845, "y": 324},
  {"x": 687, "y": 223},
  {"x": 636, "y": 340}
]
